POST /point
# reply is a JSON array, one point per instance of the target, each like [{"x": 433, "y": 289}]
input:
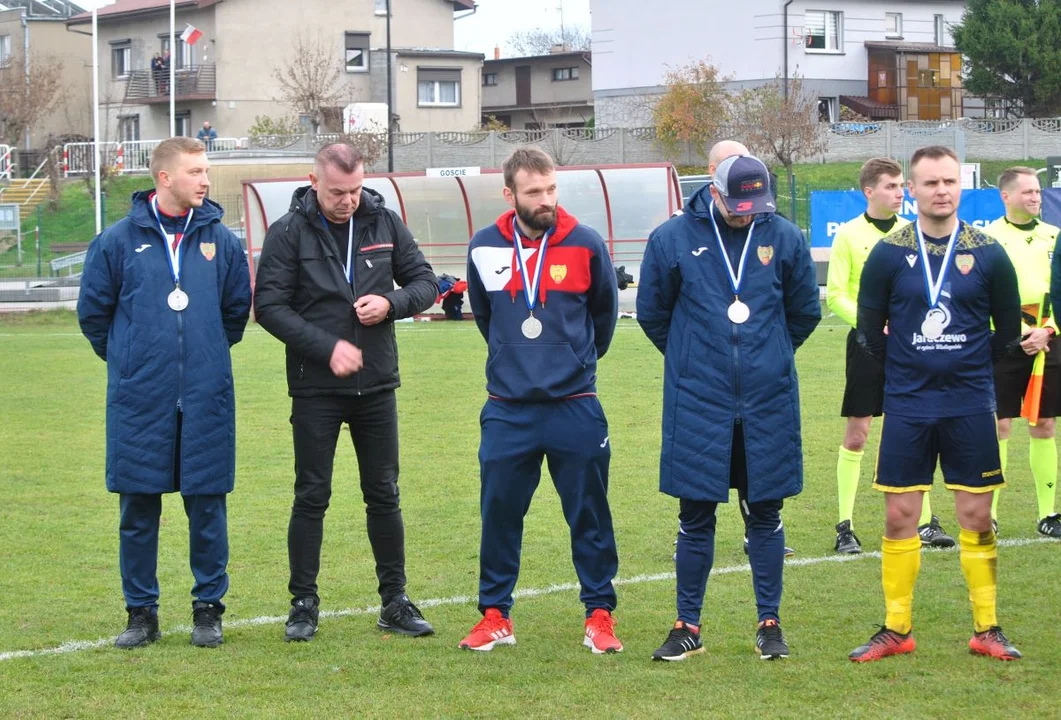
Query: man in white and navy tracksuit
[{"x": 543, "y": 292}]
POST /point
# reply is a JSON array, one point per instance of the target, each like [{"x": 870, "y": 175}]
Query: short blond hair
[
  {"x": 168, "y": 150},
  {"x": 1007, "y": 178},
  {"x": 876, "y": 168},
  {"x": 527, "y": 158}
]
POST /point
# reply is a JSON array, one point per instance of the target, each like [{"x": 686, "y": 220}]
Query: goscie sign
[{"x": 452, "y": 172}]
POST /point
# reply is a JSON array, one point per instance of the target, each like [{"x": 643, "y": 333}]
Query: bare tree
[
  {"x": 310, "y": 79},
  {"x": 26, "y": 98},
  {"x": 693, "y": 110},
  {"x": 775, "y": 127},
  {"x": 372, "y": 142},
  {"x": 541, "y": 42}
]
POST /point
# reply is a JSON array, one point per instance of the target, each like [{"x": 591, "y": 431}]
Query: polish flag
[{"x": 191, "y": 34}]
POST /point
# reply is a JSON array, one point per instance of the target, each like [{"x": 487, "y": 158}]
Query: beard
[{"x": 540, "y": 219}]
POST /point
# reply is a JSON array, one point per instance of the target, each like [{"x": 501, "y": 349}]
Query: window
[
  {"x": 827, "y": 109},
  {"x": 129, "y": 128},
  {"x": 182, "y": 123},
  {"x": 928, "y": 78},
  {"x": 356, "y": 52},
  {"x": 941, "y": 30},
  {"x": 561, "y": 74},
  {"x": 121, "y": 59},
  {"x": 438, "y": 87},
  {"x": 824, "y": 30},
  {"x": 381, "y": 7},
  {"x": 5, "y": 50},
  {"x": 489, "y": 79},
  {"x": 893, "y": 25},
  {"x": 185, "y": 52}
]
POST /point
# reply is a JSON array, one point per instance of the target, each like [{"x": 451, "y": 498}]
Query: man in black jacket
[{"x": 326, "y": 288}]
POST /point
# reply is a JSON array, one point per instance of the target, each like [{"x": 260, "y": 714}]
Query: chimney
[{"x": 497, "y": 52}]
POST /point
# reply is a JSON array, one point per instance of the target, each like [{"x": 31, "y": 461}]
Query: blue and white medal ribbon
[
  {"x": 532, "y": 326},
  {"x": 178, "y": 299},
  {"x": 737, "y": 312},
  {"x": 936, "y": 319}
]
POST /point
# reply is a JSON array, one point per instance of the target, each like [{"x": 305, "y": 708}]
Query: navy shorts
[{"x": 966, "y": 448}]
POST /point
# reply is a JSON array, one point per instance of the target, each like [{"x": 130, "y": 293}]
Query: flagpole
[
  {"x": 172, "y": 68},
  {"x": 95, "y": 115}
]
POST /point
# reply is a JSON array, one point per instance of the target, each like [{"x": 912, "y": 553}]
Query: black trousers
[{"x": 373, "y": 422}]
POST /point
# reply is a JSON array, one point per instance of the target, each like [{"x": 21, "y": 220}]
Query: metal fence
[
  {"x": 7, "y": 164},
  {"x": 130, "y": 157}
]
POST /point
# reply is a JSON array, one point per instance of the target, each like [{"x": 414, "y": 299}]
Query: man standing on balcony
[
  {"x": 207, "y": 135},
  {"x": 165, "y": 293},
  {"x": 326, "y": 289}
]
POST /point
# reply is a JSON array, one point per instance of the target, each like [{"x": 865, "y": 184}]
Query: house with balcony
[
  {"x": 535, "y": 93},
  {"x": 887, "y": 59},
  {"x": 38, "y": 28},
  {"x": 228, "y": 76}
]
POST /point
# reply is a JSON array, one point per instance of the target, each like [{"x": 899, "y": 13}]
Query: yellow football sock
[
  {"x": 979, "y": 559},
  {"x": 900, "y": 563},
  {"x": 1043, "y": 455},
  {"x": 848, "y": 469},
  {"x": 926, "y": 511}
]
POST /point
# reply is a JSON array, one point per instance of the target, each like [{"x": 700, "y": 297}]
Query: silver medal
[
  {"x": 738, "y": 312},
  {"x": 177, "y": 300},
  {"x": 934, "y": 323},
  {"x": 532, "y": 328}
]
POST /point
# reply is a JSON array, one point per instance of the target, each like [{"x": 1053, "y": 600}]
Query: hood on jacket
[
  {"x": 699, "y": 206},
  {"x": 565, "y": 223},
  {"x": 304, "y": 201},
  {"x": 143, "y": 214}
]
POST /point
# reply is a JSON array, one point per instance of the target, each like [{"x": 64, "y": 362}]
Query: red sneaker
[
  {"x": 883, "y": 644},
  {"x": 600, "y": 633},
  {"x": 492, "y": 630},
  {"x": 994, "y": 644}
]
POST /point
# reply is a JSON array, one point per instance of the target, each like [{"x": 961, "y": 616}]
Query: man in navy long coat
[
  {"x": 727, "y": 293},
  {"x": 164, "y": 295}
]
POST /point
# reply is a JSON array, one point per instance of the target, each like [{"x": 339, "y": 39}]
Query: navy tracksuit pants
[
  {"x": 572, "y": 437},
  {"x": 138, "y": 547},
  {"x": 696, "y": 544}
]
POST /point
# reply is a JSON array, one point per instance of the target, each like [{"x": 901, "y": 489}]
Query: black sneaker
[
  {"x": 1050, "y": 526},
  {"x": 206, "y": 624},
  {"x": 401, "y": 616},
  {"x": 302, "y": 620},
  {"x": 846, "y": 541},
  {"x": 683, "y": 641},
  {"x": 770, "y": 641},
  {"x": 141, "y": 630},
  {"x": 789, "y": 552},
  {"x": 933, "y": 535}
]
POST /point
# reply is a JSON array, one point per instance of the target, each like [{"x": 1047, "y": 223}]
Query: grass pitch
[{"x": 62, "y": 602}]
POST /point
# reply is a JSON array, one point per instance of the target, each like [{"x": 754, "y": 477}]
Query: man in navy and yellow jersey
[
  {"x": 938, "y": 284},
  {"x": 1029, "y": 242},
  {"x": 881, "y": 180}
]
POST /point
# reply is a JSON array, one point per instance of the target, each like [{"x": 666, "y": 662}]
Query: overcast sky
[{"x": 494, "y": 21}]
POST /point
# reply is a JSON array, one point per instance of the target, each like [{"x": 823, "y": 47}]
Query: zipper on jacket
[
  {"x": 735, "y": 341},
  {"x": 358, "y": 237},
  {"x": 180, "y": 359},
  {"x": 302, "y": 368}
]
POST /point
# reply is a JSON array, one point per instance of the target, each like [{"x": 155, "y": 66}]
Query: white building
[{"x": 843, "y": 48}]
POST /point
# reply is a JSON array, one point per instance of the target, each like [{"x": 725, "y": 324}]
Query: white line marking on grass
[{"x": 74, "y": 646}]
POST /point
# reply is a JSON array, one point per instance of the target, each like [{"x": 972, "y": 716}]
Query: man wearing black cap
[{"x": 727, "y": 293}]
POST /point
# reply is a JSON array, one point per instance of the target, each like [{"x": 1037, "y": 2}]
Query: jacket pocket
[
  {"x": 531, "y": 370},
  {"x": 374, "y": 272}
]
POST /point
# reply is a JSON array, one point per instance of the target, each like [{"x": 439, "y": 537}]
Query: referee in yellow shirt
[
  {"x": 881, "y": 180},
  {"x": 1029, "y": 242}
]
